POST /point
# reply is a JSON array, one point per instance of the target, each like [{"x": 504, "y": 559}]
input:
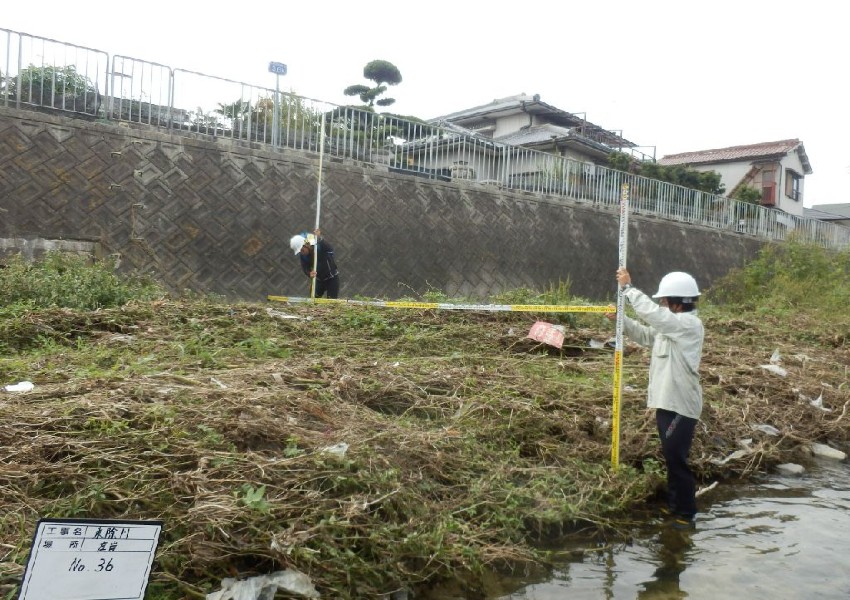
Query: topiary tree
[{"x": 383, "y": 73}]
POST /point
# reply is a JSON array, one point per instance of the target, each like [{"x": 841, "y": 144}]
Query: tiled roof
[
  {"x": 739, "y": 153},
  {"x": 532, "y": 105},
  {"x": 548, "y": 133},
  {"x": 534, "y": 135},
  {"x": 832, "y": 211},
  {"x": 495, "y": 106}
]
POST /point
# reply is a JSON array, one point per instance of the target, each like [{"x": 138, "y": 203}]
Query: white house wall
[
  {"x": 479, "y": 162},
  {"x": 731, "y": 175},
  {"x": 511, "y": 124},
  {"x": 576, "y": 156},
  {"x": 463, "y": 162}
]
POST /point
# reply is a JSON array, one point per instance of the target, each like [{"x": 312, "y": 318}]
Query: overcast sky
[{"x": 673, "y": 75}]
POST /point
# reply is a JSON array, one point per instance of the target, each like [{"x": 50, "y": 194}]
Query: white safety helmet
[
  {"x": 677, "y": 285},
  {"x": 297, "y": 242}
]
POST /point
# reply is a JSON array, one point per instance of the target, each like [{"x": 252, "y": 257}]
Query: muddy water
[{"x": 777, "y": 538}]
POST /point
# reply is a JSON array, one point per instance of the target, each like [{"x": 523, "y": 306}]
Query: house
[
  {"x": 511, "y": 141},
  {"x": 777, "y": 169},
  {"x": 839, "y": 214},
  {"x": 527, "y": 121}
]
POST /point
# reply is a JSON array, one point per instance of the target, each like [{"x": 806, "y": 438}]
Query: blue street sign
[{"x": 277, "y": 68}]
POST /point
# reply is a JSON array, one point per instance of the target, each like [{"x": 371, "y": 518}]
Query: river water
[{"x": 778, "y": 537}]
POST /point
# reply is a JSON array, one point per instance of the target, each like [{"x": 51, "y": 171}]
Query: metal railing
[{"x": 38, "y": 72}]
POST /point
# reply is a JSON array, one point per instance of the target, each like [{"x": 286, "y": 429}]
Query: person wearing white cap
[
  {"x": 326, "y": 273},
  {"x": 675, "y": 333}
]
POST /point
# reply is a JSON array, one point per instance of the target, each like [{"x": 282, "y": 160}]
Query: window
[{"x": 793, "y": 185}]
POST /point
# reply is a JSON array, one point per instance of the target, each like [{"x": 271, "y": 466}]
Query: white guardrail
[{"x": 40, "y": 72}]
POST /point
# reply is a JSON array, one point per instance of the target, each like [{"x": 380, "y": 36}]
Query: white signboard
[{"x": 84, "y": 559}]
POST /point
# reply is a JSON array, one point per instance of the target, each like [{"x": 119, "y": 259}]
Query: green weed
[
  {"x": 69, "y": 281},
  {"x": 790, "y": 275},
  {"x": 253, "y": 498}
]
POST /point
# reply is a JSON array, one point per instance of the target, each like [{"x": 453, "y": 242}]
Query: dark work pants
[
  {"x": 677, "y": 433},
  {"x": 331, "y": 286}
]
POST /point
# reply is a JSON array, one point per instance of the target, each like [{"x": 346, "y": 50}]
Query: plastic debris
[
  {"x": 123, "y": 338},
  {"x": 546, "y": 333},
  {"x": 827, "y": 452},
  {"x": 818, "y": 403},
  {"x": 734, "y": 456},
  {"x": 337, "y": 449},
  {"x": 264, "y": 587},
  {"x": 596, "y": 344},
  {"x": 276, "y": 314},
  {"x": 775, "y": 358},
  {"x": 745, "y": 450},
  {"x": 22, "y": 386},
  {"x": 791, "y": 469},
  {"x": 708, "y": 488},
  {"x": 775, "y": 369},
  {"x": 768, "y": 429}
]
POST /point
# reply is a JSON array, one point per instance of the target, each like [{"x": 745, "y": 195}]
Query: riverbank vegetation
[{"x": 376, "y": 450}]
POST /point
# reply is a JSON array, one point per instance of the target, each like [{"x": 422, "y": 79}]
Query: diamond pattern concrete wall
[{"x": 212, "y": 215}]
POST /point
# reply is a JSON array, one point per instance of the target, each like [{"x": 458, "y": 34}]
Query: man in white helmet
[
  {"x": 675, "y": 333},
  {"x": 326, "y": 272}
]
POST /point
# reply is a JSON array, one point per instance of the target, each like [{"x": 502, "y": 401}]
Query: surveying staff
[
  {"x": 326, "y": 274},
  {"x": 675, "y": 333}
]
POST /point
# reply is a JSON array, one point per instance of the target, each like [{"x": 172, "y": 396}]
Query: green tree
[
  {"x": 620, "y": 161},
  {"x": 747, "y": 193},
  {"x": 382, "y": 73},
  {"x": 704, "y": 181},
  {"x": 235, "y": 111},
  {"x": 49, "y": 85}
]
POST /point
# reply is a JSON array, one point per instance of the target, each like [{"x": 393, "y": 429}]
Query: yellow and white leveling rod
[
  {"x": 618, "y": 345},
  {"x": 318, "y": 206},
  {"x": 549, "y": 308}
]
